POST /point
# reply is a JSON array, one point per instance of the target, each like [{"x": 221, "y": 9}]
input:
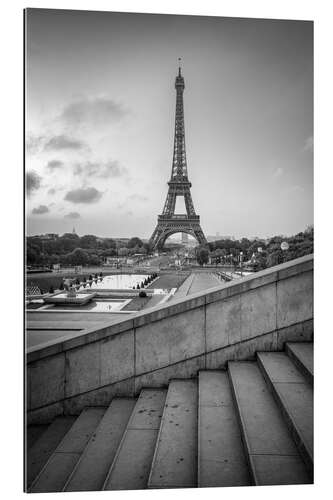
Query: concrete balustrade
[{"x": 174, "y": 340}]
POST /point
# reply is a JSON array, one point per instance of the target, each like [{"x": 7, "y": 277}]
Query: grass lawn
[{"x": 45, "y": 282}]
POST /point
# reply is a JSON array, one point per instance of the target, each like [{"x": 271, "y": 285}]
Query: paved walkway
[
  {"x": 46, "y": 326},
  {"x": 203, "y": 281},
  {"x": 197, "y": 282}
]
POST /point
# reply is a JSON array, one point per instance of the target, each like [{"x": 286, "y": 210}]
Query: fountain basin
[{"x": 62, "y": 298}]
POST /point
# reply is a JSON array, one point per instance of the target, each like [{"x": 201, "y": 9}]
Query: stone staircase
[{"x": 249, "y": 425}]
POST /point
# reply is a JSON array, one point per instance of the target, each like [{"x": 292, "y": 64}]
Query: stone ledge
[
  {"x": 215, "y": 359},
  {"x": 178, "y": 306}
]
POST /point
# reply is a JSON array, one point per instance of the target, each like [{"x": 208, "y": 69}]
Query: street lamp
[
  {"x": 241, "y": 262},
  {"x": 284, "y": 247}
]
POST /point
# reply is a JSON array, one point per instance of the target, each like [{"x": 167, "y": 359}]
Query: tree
[
  {"x": 68, "y": 244},
  {"x": 123, "y": 252},
  {"x": 94, "y": 259},
  {"x": 202, "y": 255},
  {"x": 78, "y": 257},
  {"x": 147, "y": 247},
  {"x": 108, "y": 243},
  {"x": 274, "y": 258},
  {"x": 33, "y": 255},
  {"x": 134, "y": 242},
  {"x": 88, "y": 241},
  {"x": 70, "y": 236},
  {"x": 109, "y": 252}
]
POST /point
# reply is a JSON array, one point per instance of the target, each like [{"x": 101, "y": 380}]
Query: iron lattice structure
[{"x": 168, "y": 222}]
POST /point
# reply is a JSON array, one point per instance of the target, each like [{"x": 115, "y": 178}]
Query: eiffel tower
[{"x": 168, "y": 222}]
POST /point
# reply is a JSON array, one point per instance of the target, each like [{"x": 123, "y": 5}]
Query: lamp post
[
  {"x": 284, "y": 247},
  {"x": 241, "y": 263}
]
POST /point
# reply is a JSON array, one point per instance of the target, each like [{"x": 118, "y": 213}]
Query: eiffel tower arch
[{"x": 168, "y": 222}]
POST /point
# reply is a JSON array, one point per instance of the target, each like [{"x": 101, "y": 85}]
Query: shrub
[
  {"x": 51, "y": 290},
  {"x": 142, "y": 294}
]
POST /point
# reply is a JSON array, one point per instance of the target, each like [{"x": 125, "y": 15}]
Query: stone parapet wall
[{"x": 203, "y": 331}]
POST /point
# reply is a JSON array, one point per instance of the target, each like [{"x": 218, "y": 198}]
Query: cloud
[
  {"x": 105, "y": 170},
  {"x": 33, "y": 143},
  {"x": 278, "y": 172},
  {"x": 42, "y": 209},
  {"x": 72, "y": 215},
  {"x": 137, "y": 197},
  {"x": 54, "y": 164},
  {"x": 54, "y": 190},
  {"x": 32, "y": 183},
  {"x": 61, "y": 142},
  {"x": 93, "y": 111},
  {"x": 308, "y": 145},
  {"x": 83, "y": 195}
]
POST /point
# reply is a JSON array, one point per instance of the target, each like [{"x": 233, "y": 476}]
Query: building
[{"x": 47, "y": 236}]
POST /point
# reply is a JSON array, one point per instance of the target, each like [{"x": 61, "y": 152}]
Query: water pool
[{"x": 117, "y": 281}]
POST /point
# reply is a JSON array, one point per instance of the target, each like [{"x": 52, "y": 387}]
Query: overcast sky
[{"x": 100, "y": 103}]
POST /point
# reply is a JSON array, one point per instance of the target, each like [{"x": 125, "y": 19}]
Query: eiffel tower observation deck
[{"x": 169, "y": 222}]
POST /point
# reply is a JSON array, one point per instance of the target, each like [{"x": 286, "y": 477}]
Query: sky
[{"x": 100, "y": 107}]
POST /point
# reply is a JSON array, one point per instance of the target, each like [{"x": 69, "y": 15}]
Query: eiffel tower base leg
[{"x": 163, "y": 231}]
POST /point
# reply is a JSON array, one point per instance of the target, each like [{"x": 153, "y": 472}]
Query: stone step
[
  {"x": 272, "y": 454},
  {"x": 302, "y": 355},
  {"x": 175, "y": 458},
  {"x": 132, "y": 462},
  {"x": 42, "y": 449},
  {"x": 91, "y": 470},
  {"x": 221, "y": 457},
  {"x": 294, "y": 395},
  {"x": 59, "y": 466}
]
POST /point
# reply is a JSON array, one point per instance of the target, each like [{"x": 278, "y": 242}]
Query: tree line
[
  {"x": 258, "y": 253},
  {"x": 70, "y": 249}
]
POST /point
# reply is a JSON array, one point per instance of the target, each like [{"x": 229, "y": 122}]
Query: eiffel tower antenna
[{"x": 168, "y": 222}]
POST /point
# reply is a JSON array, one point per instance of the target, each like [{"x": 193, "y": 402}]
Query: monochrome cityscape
[{"x": 169, "y": 282}]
